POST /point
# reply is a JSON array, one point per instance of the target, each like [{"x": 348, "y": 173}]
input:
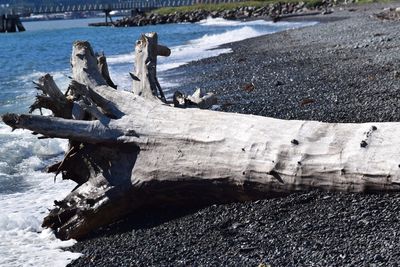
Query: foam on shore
[{"x": 26, "y": 192}]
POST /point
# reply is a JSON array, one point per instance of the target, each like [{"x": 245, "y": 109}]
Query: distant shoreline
[{"x": 231, "y": 11}]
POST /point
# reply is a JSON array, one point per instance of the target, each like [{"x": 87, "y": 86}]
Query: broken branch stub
[
  {"x": 131, "y": 151},
  {"x": 103, "y": 68},
  {"x": 145, "y": 82},
  {"x": 51, "y": 98}
]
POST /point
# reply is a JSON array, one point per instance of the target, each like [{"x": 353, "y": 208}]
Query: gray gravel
[
  {"x": 311, "y": 229},
  {"x": 347, "y": 70},
  {"x": 350, "y": 69}
]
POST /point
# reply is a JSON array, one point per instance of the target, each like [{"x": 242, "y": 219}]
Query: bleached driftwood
[{"x": 132, "y": 150}]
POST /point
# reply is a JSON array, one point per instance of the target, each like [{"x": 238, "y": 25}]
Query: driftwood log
[{"x": 133, "y": 150}]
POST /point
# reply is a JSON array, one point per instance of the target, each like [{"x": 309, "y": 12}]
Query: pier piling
[
  {"x": 20, "y": 27},
  {"x": 2, "y": 23},
  {"x": 10, "y": 23}
]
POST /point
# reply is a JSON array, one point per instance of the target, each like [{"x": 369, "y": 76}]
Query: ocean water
[{"x": 26, "y": 190}]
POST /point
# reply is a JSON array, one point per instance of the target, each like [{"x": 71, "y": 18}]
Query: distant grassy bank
[
  {"x": 274, "y": 9},
  {"x": 229, "y": 6}
]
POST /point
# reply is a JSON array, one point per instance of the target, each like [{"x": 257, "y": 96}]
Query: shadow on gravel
[
  {"x": 153, "y": 218},
  {"x": 144, "y": 219},
  {"x": 147, "y": 219}
]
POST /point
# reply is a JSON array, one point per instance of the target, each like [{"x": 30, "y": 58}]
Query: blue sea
[{"x": 26, "y": 190}]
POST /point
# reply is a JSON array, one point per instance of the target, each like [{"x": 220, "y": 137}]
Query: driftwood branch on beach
[{"x": 134, "y": 150}]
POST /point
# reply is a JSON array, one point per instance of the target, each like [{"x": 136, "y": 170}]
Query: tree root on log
[{"x": 134, "y": 150}]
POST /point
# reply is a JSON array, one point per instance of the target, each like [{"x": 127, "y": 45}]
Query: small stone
[
  {"x": 306, "y": 101},
  {"x": 248, "y": 87},
  {"x": 236, "y": 225},
  {"x": 246, "y": 249},
  {"x": 378, "y": 258}
]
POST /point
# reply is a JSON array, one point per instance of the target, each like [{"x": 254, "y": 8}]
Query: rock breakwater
[{"x": 275, "y": 11}]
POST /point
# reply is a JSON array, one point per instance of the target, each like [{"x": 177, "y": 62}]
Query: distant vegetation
[
  {"x": 372, "y": 1},
  {"x": 226, "y": 6},
  {"x": 253, "y": 3},
  {"x": 51, "y": 2}
]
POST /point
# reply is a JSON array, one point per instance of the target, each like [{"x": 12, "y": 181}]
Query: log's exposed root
[
  {"x": 135, "y": 150},
  {"x": 52, "y": 98}
]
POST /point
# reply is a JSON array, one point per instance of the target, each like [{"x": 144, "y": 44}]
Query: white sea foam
[
  {"x": 25, "y": 91},
  {"x": 220, "y": 22},
  {"x": 60, "y": 77},
  {"x": 22, "y": 240},
  {"x": 120, "y": 59}
]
